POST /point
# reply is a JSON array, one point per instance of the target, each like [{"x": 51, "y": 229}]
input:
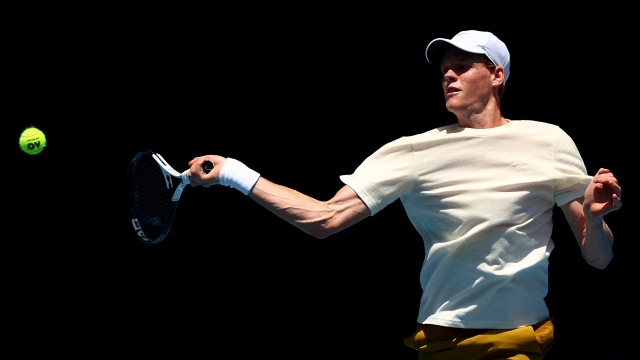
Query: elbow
[
  {"x": 319, "y": 232},
  {"x": 325, "y": 226},
  {"x": 602, "y": 263},
  {"x": 319, "y": 227},
  {"x": 320, "y": 236}
]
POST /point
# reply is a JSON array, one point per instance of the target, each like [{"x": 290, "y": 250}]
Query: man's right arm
[{"x": 317, "y": 218}]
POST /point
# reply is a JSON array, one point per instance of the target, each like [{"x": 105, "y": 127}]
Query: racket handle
[{"x": 207, "y": 166}]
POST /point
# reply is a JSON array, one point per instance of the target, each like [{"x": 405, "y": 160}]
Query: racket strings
[{"x": 152, "y": 198}]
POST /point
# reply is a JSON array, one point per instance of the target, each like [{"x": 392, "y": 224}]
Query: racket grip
[{"x": 207, "y": 166}]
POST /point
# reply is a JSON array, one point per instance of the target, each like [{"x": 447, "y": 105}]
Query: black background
[{"x": 301, "y": 95}]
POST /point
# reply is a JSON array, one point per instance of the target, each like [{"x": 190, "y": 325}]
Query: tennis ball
[{"x": 32, "y": 141}]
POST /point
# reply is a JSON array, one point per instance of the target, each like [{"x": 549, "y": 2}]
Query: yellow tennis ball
[{"x": 32, "y": 141}]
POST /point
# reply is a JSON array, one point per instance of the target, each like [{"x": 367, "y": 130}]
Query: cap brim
[{"x": 437, "y": 47}]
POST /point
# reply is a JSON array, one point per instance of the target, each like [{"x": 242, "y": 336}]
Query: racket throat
[{"x": 178, "y": 192}]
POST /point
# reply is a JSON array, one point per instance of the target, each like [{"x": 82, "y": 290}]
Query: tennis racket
[{"x": 153, "y": 191}]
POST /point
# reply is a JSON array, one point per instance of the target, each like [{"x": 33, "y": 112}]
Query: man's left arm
[{"x": 586, "y": 218}]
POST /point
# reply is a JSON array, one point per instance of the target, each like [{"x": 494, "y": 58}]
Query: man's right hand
[{"x": 198, "y": 178}]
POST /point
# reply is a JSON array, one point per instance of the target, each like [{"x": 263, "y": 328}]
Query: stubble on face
[{"x": 466, "y": 81}]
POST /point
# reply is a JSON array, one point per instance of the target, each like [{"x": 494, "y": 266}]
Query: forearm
[
  {"x": 592, "y": 233},
  {"x": 298, "y": 209},
  {"x": 317, "y": 218},
  {"x": 597, "y": 242},
  {"x": 314, "y": 217},
  {"x": 602, "y": 196}
]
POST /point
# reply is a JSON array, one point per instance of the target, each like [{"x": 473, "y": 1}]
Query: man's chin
[{"x": 451, "y": 107}]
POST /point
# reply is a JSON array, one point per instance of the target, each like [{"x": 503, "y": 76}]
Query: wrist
[
  {"x": 238, "y": 176},
  {"x": 590, "y": 217}
]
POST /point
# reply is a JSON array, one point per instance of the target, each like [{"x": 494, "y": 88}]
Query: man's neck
[{"x": 482, "y": 121}]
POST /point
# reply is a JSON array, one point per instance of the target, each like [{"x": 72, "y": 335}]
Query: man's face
[{"x": 466, "y": 82}]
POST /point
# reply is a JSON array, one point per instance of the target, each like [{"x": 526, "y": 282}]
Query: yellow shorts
[{"x": 435, "y": 342}]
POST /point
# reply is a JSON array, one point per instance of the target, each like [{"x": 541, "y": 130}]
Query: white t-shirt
[{"x": 482, "y": 200}]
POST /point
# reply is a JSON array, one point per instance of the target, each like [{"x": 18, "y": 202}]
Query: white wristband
[{"x": 238, "y": 176}]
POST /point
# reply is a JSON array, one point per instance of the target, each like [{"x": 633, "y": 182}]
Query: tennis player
[{"x": 480, "y": 192}]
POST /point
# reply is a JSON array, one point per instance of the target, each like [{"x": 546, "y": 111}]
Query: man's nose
[{"x": 449, "y": 76}]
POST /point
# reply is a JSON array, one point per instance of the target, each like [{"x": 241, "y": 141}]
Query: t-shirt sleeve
[
  {"x": 572, "y": 178},
  {"x": 384, "y": 176}
]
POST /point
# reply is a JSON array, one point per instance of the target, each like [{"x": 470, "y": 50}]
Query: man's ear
[{"x": 498, "y": 75}]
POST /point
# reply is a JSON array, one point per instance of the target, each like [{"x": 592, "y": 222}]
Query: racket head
[{"x": 150, "y": 197}]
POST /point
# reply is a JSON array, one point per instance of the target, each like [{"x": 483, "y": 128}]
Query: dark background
[{"x": 301, "y": 95}]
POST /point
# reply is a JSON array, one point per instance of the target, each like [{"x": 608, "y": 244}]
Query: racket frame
[{"x": 168, "y": 173}]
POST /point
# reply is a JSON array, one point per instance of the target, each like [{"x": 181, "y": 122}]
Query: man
[{"x": 480, "y": 193}]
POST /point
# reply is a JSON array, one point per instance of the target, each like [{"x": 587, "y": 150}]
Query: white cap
[{"x": 473, "y": 41}]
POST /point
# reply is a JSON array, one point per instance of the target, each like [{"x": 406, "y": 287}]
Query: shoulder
[
  {"x": 399, "y": 145},
  {"x": 534, "y": 124},
  {"x": 543, "y": 128},
  {"x": 548, "y": 133},
  {"x": 407, "y": 144},
  {"x": 430, "y": 134}
]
